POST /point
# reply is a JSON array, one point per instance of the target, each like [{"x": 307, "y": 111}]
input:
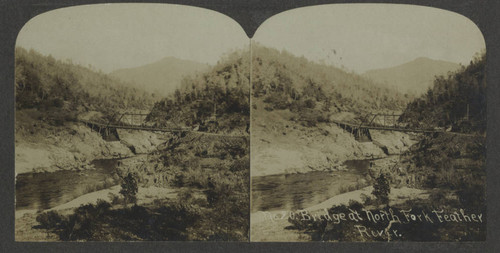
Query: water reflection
[
  {"x": 49, "y": 189},
  {"x": 297, "y": 191}
]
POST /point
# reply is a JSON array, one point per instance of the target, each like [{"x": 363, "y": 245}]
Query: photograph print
[
  {"x": 132, "y": 124},
  {"x": 368, "y": 123},
  {"x": 161, "y": 122}
]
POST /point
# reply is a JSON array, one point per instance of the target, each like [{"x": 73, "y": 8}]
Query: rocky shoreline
[
  {"x": 326, "y": 149},
  {"x": 77, "y": 147}
]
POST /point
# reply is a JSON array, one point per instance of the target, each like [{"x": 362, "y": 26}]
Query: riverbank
[
  {"x": 26, "y": 228},
  {"x": 273, "y": 226},
  {"x": 75, "y": 147},
  {"x": 187, "y": 179},
  {"x": 322, "y": 148},
  {"x": 283, "y": 144}
]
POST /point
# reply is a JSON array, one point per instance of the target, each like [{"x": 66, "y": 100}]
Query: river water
[
  {"x": 40, "y": 191},
  {"x": 298, "y": 191},
  {"x": 49, "y": 189}
]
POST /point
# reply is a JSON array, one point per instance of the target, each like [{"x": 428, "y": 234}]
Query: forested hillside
[
  {"x": 215, "y": 101},
  {"x": 283, "y": 81},
  {"x": 450, "y": 167},
  {"x": 457, "y": 101},
  {"x": 54, "y": 91},
  {"x": 206, "y": 175}
]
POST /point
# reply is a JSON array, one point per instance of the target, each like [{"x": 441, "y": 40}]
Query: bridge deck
[
  {"x": 158, "y": 129},
  {"x": 132, "y": 127},
  {"x": 399, "y": 129}
]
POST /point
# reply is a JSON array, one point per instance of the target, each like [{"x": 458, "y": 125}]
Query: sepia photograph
[
  {"x": 368, "y": 124},
  {"x": 132, "y": 124},
  {"x": 332, "y": 123}
]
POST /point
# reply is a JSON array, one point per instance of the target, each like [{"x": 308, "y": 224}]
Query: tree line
[
  {"x": 221, "y": 93},
  {"x": 56, "y": 87},
  {"x": 283, "y": 81},
  {"x": 456, "y": 101}
]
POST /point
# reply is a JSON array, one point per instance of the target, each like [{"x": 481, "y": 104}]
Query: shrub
[
  {"x": 115, "y": 199},
  {"x": 57, "y": 102},
  {"x": 240, "y": 164},
  {"x": 129, "y": 189},
  {"x": 309, "y": 103},
  {"x": 277, "y": 101},
  {"x": 381, "y": 189},
  {"x": 51, "y": 219}
]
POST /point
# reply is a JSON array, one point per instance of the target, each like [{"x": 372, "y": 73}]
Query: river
[
  {"x": 45, "y": 190},
  {"x": 298, "y": 191},
  {"x": 40, "y": 191}
]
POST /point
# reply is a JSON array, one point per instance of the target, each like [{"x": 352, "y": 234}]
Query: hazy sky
[
  {"x": 357, "y": 36},
  {"x": 113, "y": 36},
  {"x": 371, "y": 36}
]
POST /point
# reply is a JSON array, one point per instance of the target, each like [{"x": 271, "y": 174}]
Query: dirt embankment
[
  {"x": 75, "y": 147},
  {"x": 280, "y": 145}
]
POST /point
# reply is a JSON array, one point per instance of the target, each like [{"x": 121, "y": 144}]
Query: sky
[
  {"x": 362, "y": 37},
  {"x": 115, "y": 36},
  {"x": 358, "y": 37}
]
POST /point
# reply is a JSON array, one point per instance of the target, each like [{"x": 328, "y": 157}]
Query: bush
[
  {"x": 240, "y": 164},
  {"x": 277, "y": 101},
  {"x": 129, "y": 189},
  {"x": 309, "y": 103},
  {"x": 51, "y": 219},
  {"x": 115, "y": 199},
  {"x": 381, "y": 189},
  {"x": 82, "y": 224},
  {"x": 301, "y": 104},
  {"x": 57, "y": 102}
]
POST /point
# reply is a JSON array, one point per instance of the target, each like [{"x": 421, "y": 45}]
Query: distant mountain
[
  {"x": 412, "y": 77},
  {"x": 285, "y": 81},
  {"x": 60, "y": 91},
  {"x": 161, "y": 77},
  {"x": 216, "y": 100},
  {"x": 457, "y": 101}
]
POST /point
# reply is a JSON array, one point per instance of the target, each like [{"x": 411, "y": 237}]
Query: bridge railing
[{"x": 383, "y": 119}]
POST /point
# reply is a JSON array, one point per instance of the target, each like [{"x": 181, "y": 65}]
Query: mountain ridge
[
  {"x": 162, "y": 76},
  {"x": 415, "y": 76}
]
